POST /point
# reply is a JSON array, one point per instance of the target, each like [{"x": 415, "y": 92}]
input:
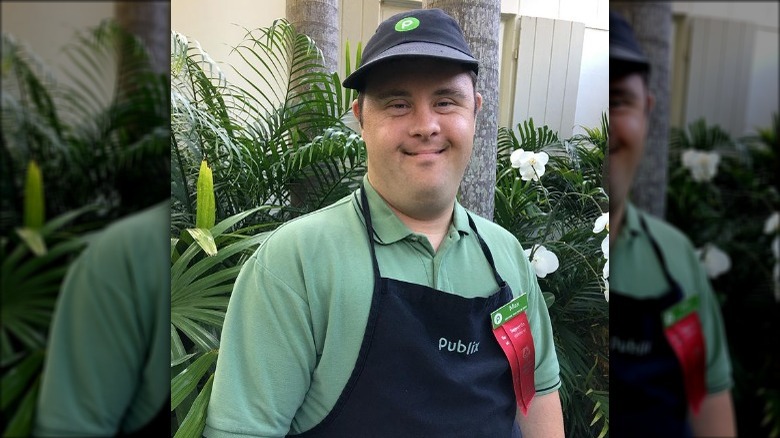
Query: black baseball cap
[
  {"x": 422, "y": 33},
  {"x": 623, "y": 46}
]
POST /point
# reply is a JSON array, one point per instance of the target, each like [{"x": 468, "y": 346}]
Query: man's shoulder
[
  {"x": 489, "y": 229},
  {"x": 133, "y": 237},
  {"x": 331, "y": 216},
  {"x": 327, "y": 223},
  {"x": 155, "y": 219},
  {"x": 669, "y": 237}
]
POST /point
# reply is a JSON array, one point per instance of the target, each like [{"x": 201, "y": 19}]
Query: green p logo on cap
[{"x": 407, "y": 23}]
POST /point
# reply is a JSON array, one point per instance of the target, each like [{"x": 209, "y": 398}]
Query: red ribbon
[
  {"x": 685, "y": 337},
  {"x": 514, "y": 337}
]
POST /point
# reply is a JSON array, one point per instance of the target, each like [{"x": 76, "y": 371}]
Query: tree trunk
[
  {"x": 151, "y": 22},
  {"x": 652, "y": 24},
  {"x": 480, "y": 22},
  {"x": 319, "y": 19}
]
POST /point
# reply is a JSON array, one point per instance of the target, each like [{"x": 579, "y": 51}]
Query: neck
[
  {"x": 433, "y": 227},
  {"x": 431, "y": 218}
]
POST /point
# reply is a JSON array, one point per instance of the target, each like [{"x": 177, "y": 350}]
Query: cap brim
[
  {"x": 623, "y": 54},
  {"x": 410, "y": 50}
]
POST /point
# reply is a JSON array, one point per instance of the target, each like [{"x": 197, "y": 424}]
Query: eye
[
  {"x": 397, "y": 105},
  {"x": 617, "y": 103}
]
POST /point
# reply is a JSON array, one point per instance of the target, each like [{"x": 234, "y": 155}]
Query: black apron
[
  {"x": 646, "y": 378},
  {"x": 429, "y": 364}
]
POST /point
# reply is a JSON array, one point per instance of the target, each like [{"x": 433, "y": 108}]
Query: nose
[{"x": 425, "y": 122}]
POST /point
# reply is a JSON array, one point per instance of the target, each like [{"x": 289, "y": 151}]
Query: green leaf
[
  {"x": 33, "y": 239},
  {"x": 21, "y": 423},
  {"x": 195, "y": 421},
  {"x": 184, "y": 383},
  {"x": 199, "y": 334},
  {"x": 177, "y": 347},
  {"x": 204, "y": 239},
  {"x": 549, "y": 299},
  {"x": 206, "y": 209},
  {"x": 33, "y": 198},
  {"x": 182, "y": 359},
  {"x": 18, "y": 378}
]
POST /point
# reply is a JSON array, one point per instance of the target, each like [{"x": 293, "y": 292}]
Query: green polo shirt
[
  {"x": 299, "y": 308},
  {"x": 108, "y": 358},
  {"x": 636, "y": 271}
]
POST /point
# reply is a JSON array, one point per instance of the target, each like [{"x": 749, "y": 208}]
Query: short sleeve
[{"x": 266, "y": 357}]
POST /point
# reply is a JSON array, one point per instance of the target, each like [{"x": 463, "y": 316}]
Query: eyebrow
[
  {"x": 386, "y": 94},
  {"x": 623, "y": 92},
  {"x": 395, "y": 92}
]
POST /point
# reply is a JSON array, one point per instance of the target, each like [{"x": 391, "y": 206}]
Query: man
[
  {"x": 107, "y": 363},
  {"x": 670, "y": 373},
  {"x": 372, "y": 317}
]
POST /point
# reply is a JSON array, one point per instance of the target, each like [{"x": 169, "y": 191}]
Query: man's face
[
  {"x": 418, "y": 123},
  {"x": 629, "y": 105}
]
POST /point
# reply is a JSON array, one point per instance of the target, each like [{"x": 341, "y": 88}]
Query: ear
[
  {"x": 650, "y": 103},
  {"x": 356, "y": 111},
  {"x": 477, "y": 102}
]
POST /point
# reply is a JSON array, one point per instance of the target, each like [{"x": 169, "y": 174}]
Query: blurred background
[
  {"x": 711, "y": 168},
  {"x": 85, "y": 137}
]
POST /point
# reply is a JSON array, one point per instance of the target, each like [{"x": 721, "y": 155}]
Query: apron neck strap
[
  {"x": 657, "y": 249},
  {"x": 369, "y": 229},
  {"x": 486, "y": 251}
]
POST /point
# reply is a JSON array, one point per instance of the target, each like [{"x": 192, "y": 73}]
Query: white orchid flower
[
  {"x": 772, "y": 224},
  {"x": 715, "y": 261},
  {"x": 605, "y": 246},
  {"x": 606, "y": 289},
  {"x": 601, "y": 223},
  {"x": 605, "y": 271},
  {"x": 544, "y": 261},
  {"x": 530, "y": 164},
  {"x": 702, "y": 165}
]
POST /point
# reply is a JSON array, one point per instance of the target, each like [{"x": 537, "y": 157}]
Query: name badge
[
  {"x": 513, "y": 333},
  {"x": 682, "y": 328}
]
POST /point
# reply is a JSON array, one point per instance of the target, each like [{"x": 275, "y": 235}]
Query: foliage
[
  {"x": 29, "y": 285},
  {"x": 100, "y": 136},
  {"x": 252, "y": 137},
  {"x": 559, "y": 212},
  {"x": 200, "y": 290},
  {"x": 96, "y": 145},
  {"x": 730, "y": 211}
]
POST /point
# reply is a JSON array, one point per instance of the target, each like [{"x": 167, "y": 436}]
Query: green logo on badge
[{"x": 407, "y": 23}]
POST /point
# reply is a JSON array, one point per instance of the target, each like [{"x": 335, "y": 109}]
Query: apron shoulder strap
[
  {"x": 486, "y": 251},
  {"x": 660, "y": 256}
]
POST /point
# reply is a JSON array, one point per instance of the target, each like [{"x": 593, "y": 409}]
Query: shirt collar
[
  {"x": 388, "y": 228},
  {"x": 631, "y": 224}
]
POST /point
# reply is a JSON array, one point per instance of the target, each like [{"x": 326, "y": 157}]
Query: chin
[{"x": 435, "y": 196}]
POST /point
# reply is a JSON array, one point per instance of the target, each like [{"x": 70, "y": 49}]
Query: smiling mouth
[{"x": 434, "y": 152}]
